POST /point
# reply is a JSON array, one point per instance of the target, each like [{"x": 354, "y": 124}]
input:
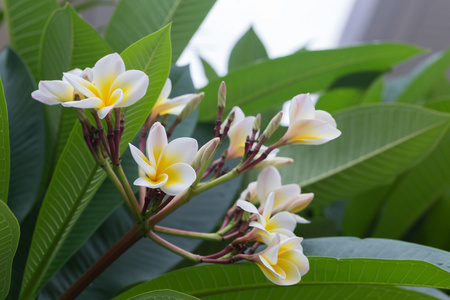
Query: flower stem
[
  {"x": 173, "y": 248},
  {"x": 189, "y": 234},
  {"x": 133, "y": 204},
  {"x": 128, "y": 240}
]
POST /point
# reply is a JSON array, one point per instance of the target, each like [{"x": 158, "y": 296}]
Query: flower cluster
[{"x": 172, "y": 172}]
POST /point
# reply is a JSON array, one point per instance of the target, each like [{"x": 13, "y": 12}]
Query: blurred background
[{"x": 320, "y": 24}]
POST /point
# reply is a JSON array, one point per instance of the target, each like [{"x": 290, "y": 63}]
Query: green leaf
[
  {"x": 374, "y": 93},
  {"x": 339, "y": 99},
  {"x": 378, "y": 142},
  {"x": 418, "y": 190},
  {"x": 26, "y": 20},
  {"x": 239, "y": 280},
  {"x": 361, "y": 210},
  {"x": 77, "y": 177},
  {"x": 4, "y": 147},
  {"x": 249, "y": 49},
  {"x": 210, "y": 73},
  {"x": 270, "y": 83},
  {"x": 134, "y": 19},
  {"x": 435, "y": 223},
  {"x": 424, "y": 76},
  {"x": 68, "y": 42},
  {"x": 162, "y": 294},
  {"x": 9, "y": 240},
  {"x": 26, "y": 131}
]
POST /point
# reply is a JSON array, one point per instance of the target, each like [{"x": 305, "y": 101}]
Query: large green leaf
[
  {"x": 68, "y": 42},
  {"x": 107, "y": 200},
  {"x": 369, "y": 264},
  {"x": 210, "y": 73},
  {"x": 247, "y": 50},
  {"x": 26, "y": 131},
  {"x": 415, "y": 193},
  {"x": 162, "y": 294},
  {"x": 270, "y": 83},
  {"x": 26, "y": 20},
  {"x": 9, "y": 240},
  {"x": 134, "y": 19},
  {"x": 378, "y": 142},
  {"x": 77, "y": 177},
  {"x": 4, "y": 147},
  {"x": 424, "y": 76}
]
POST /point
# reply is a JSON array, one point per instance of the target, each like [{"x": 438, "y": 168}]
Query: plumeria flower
[
  {"x": 111, "y": 86},
  {"x": 265, "y": 228},
  {"x": 272, "y": 159},
  {"x": 249, "y": 193},
  {"x": 283, "y": 261},
  {"x": 307, "y": 125},
  {"x": 167, "y": 165},
  {"x": 287, "y": 197},
  {"x": 164, "y": 105},
  {"x": 240, "y": 128},
  {"x": 53, "y": 92}
]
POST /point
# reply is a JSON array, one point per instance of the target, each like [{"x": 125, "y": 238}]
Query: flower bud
[
  {"x": 257, "y": 123},
  {"x": 222, "y": 96},
  {"x": 190, "y": 107},
  {"x": 277, "y": 162},
  {"x": 273, "y": 125},
  {"x": 205, "y": 153}
]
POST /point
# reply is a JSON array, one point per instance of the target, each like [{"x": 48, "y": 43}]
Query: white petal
[
  {"x": 106, "y": 70},
  {"x": 134, "y": 85},
  {"x": 268, "y": 180},
  {"x": 238, "y": 116},
  {"x": 167, "y": 88},
  {"x": 181, "y": 150},
  {"x": 301, "y": 107},
  {"x": 181, "y": 176},
  {"x": 145, "y": 181},
  {"x": 156, "y": 142},
  {"x": 44, "y": 98},
  {"x": 142, "y": 161},
  {"x": 83, "y": 86},
  {"x": 176, "y": 105},
  {"x": 60, "y": 90},
  {"x": 268, "y": 205},
  {"x": 247, "y": 206},
  {"x": 313, "y": 132},
  {"x": 282, "y": 220},
  {"x": 325, "y": 116},
  {"x": 85, "y": 103},
  {"x": 284, "y": 195},
  {"x": 238, "y": 135},
  {"x": 300, "y": 220}
]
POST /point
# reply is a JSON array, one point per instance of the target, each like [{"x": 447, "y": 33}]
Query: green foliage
[
  {"x": 134, "y": 19},
  {"x": 270, "y": 83},
  {"x": 25, "y": 20},
  {"x": 386, "y": 176},
  {"x": 247, "y": 50},
  {"x": 9, "y": 240},
  {"x": 26, "y": 131},
  {"x": 4, "y": 147},
  {"x": 378, "y": 143}
]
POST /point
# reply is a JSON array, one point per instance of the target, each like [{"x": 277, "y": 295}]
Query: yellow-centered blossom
[
  {"x": 111, "y": 86},
  {"x": 167, "y": 165}
]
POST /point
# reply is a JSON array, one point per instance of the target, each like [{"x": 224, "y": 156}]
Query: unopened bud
[
  {"x": 190, "y": 107},
  {"x": 277, "y": 162},
  {"x": 222, "y": 96},
  {"x": 257, "y": 123},
  {"x": 205, "y": 153},
  {"x": 273, "y": 125}
]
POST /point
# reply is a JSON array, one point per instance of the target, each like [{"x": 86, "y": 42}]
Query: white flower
[
  {"x": 266, "y": 226},
  {"x": 111, "y": 86},
  {"x": 283, "y": 262},
  {"x": 286, "y": 197},
  {"x": 307, "y": 125},
  {"x": 53, "y": 92},
  {"x": 240, "y": 128},
  {"x": 174, "y": 106},
  {"x": 167, "y": 164}
]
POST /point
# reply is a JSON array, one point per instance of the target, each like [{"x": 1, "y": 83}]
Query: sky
[{"x": 284, "y": 26}]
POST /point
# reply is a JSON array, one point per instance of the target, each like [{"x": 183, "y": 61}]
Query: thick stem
[{"x": 128, "y": 240}]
